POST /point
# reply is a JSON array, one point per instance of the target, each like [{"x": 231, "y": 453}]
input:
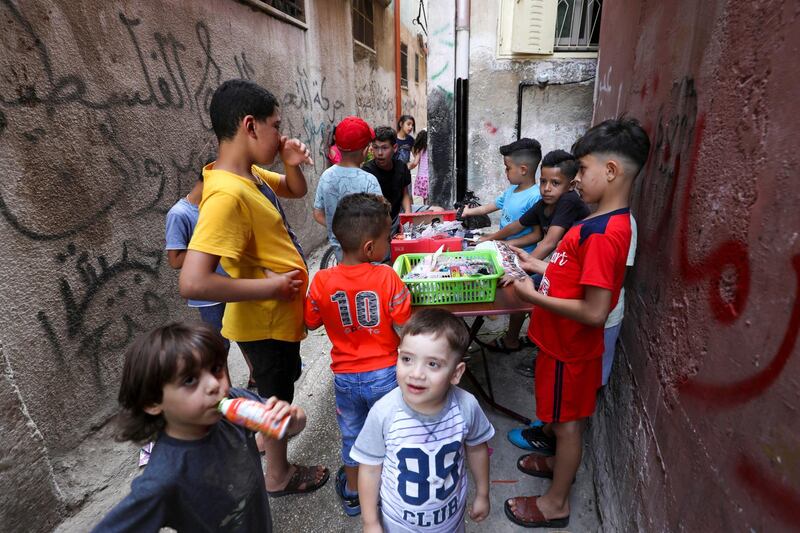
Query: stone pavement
[{"x": 99, "y": 473}]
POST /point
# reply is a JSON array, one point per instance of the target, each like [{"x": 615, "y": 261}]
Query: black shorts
[{"x": 276, "y": 366}]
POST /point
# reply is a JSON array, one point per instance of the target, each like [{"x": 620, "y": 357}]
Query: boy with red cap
[{"x": 353, "y": 137}]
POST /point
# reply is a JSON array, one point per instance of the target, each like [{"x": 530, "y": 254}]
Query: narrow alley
[{"x": 108, "y": 125}]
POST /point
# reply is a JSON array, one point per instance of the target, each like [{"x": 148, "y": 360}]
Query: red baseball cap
[{"x": 352, "y": 133}]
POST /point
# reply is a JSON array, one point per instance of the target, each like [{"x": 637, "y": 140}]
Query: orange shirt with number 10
[{"x": 358, "y": 305}]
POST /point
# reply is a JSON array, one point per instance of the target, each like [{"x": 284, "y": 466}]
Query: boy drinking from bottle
[{"x": 204, "y": 472}]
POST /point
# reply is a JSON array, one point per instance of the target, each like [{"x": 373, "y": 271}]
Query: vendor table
[{"x": 506, "y": 302}]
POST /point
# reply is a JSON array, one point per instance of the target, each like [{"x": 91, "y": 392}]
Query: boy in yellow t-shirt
[{"x": 243, "y": 227}]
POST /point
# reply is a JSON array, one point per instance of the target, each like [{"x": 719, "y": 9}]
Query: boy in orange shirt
[{"x": 359, "y": 302}]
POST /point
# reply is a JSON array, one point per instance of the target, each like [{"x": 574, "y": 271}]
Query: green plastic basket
[{"x": 450, "y": 291}]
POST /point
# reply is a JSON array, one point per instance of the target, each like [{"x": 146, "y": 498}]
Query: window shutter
[{"x": 533, "y": 26}]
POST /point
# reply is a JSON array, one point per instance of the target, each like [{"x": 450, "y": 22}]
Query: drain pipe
[
  {"x": 462, "y": 94},
  {"x": 398, "y": 95}
]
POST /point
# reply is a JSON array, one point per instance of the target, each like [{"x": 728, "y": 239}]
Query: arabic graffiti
[
  {"x": 320, "y": 113},
  {"x": 98, "y": 309},
  {"x": 96, "y": 159}
]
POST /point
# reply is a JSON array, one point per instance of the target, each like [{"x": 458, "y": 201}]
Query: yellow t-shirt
[{"x": 239, "y": 224}]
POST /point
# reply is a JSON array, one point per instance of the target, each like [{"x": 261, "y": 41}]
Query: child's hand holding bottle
[{"x": 274, "y": 418}]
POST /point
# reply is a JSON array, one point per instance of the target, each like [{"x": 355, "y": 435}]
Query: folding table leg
[{"x": 488, "y": 398}]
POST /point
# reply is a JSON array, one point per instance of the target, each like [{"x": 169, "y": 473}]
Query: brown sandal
[
  {"x": 304, "y": 476},
  {"x": 537, "y": 466},
  {"x": 531, "y": 515}
]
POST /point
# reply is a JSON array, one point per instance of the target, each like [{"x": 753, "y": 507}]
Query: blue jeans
[
  {"x": 610, "y": 340},
  {"x": 355, "y": 395},
  {"x": 212, "y": 315}
]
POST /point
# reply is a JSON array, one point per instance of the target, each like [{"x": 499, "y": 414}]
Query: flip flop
[
  {"x": 539, "y": 467},
  {"x": 525, "y": 342},
  {"x": 499, "y": 345},
  {"x": 539, "y": 519},
  {"x": 302, "y": 475}
]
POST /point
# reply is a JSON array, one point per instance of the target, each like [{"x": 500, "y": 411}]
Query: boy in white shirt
[{"x": 415, "y": 439}]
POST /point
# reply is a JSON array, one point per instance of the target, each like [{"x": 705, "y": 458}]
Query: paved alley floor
[{"x": 99, "y": 473}]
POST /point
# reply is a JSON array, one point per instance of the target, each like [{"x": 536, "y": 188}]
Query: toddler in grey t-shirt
[{"x": 416, "y": 439}]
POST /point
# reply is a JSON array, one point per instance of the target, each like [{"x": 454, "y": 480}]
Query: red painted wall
[{"x": 703, "y": 411}]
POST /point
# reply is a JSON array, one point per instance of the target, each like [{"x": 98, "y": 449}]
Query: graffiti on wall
[
  {"x": 106, "y": 306},
  {"x": 96, "y": 151},
  {"x": 724, "y": 272},
  {"x": 320, "y": 113},
  {"x": 373, "y": 99}
]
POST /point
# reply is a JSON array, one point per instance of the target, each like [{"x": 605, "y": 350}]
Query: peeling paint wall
[
  {"x": 698, "y": 430},
  {"x": 103, "y": 126},
  {"x": 556, "y": 114}
]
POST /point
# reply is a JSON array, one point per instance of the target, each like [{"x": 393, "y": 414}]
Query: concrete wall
[
  {"x": 556, "y": 114},
  {"x": 699, "y": 431},
  {"x": 374, "y": 70},
  {"x": 103, "y": 126}
]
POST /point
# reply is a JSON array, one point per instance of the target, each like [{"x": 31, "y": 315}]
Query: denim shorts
[
  {"x": 355, "y": 395},
  {"x": 212, "y": 315}
]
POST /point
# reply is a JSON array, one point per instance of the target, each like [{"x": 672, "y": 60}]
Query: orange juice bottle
[{"x": 254, "y": 416}]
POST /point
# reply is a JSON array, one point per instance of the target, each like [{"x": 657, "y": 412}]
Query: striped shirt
[{"x": 423, "y": 480}]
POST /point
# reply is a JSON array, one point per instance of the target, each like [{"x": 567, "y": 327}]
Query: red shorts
[{"x": 566, "y": 391}]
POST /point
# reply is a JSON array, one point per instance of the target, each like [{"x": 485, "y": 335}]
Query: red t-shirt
[
  {"x": 593, "y": 252},
  {"x": 358, "y": 305}
]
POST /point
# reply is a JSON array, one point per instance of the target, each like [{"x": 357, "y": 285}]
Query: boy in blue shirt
[
  {"x": 181, "y": 220},
  {"x": 205, "y": 473},
  {"x": 353, "y": 137},
  {"x": 521, "y": 158}
]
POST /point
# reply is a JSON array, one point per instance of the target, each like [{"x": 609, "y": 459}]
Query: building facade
[{"x": 103, "y": 126}]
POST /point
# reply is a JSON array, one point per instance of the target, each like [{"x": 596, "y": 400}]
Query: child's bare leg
[
  {"x": 511, "y": 338},
  {"x": 569, "y": 439},
  {"x": 250, "y": 380},
  {"x": 279, "y": 471},
  {"x": 351, "y": 472}
]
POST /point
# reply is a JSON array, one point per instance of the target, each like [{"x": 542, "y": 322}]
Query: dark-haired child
[
  {"x": 359, "y": 302},
  {"x": 581, "y": 285},
  {"x": 180, "y": 223},
  {"x": 204, "y": 473},
  {"x": 392, "y": 174},
  {"x": 413, "y": 447},
  {"x": 549, "y": 219},
  {"x": 420, "y": 162},
  {"x": 406, "y": 125},
  {"x": 353, "y": 135},
  {"x": 242, "y": 226},
  {"x": 521, "y": 159}
]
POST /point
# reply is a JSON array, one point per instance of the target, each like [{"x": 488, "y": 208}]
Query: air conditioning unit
[{"x": 526, "y": 27}]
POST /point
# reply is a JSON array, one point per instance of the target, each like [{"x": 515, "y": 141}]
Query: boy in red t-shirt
[
  {"x": 359, "y": 302},
  {"x": 581, "y": 285}
]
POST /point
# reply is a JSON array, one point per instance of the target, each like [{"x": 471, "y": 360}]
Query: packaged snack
[{"x": 254, "y": 416}]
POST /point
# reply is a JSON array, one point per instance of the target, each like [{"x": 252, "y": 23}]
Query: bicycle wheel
[{"x": 328, "y": 259}]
